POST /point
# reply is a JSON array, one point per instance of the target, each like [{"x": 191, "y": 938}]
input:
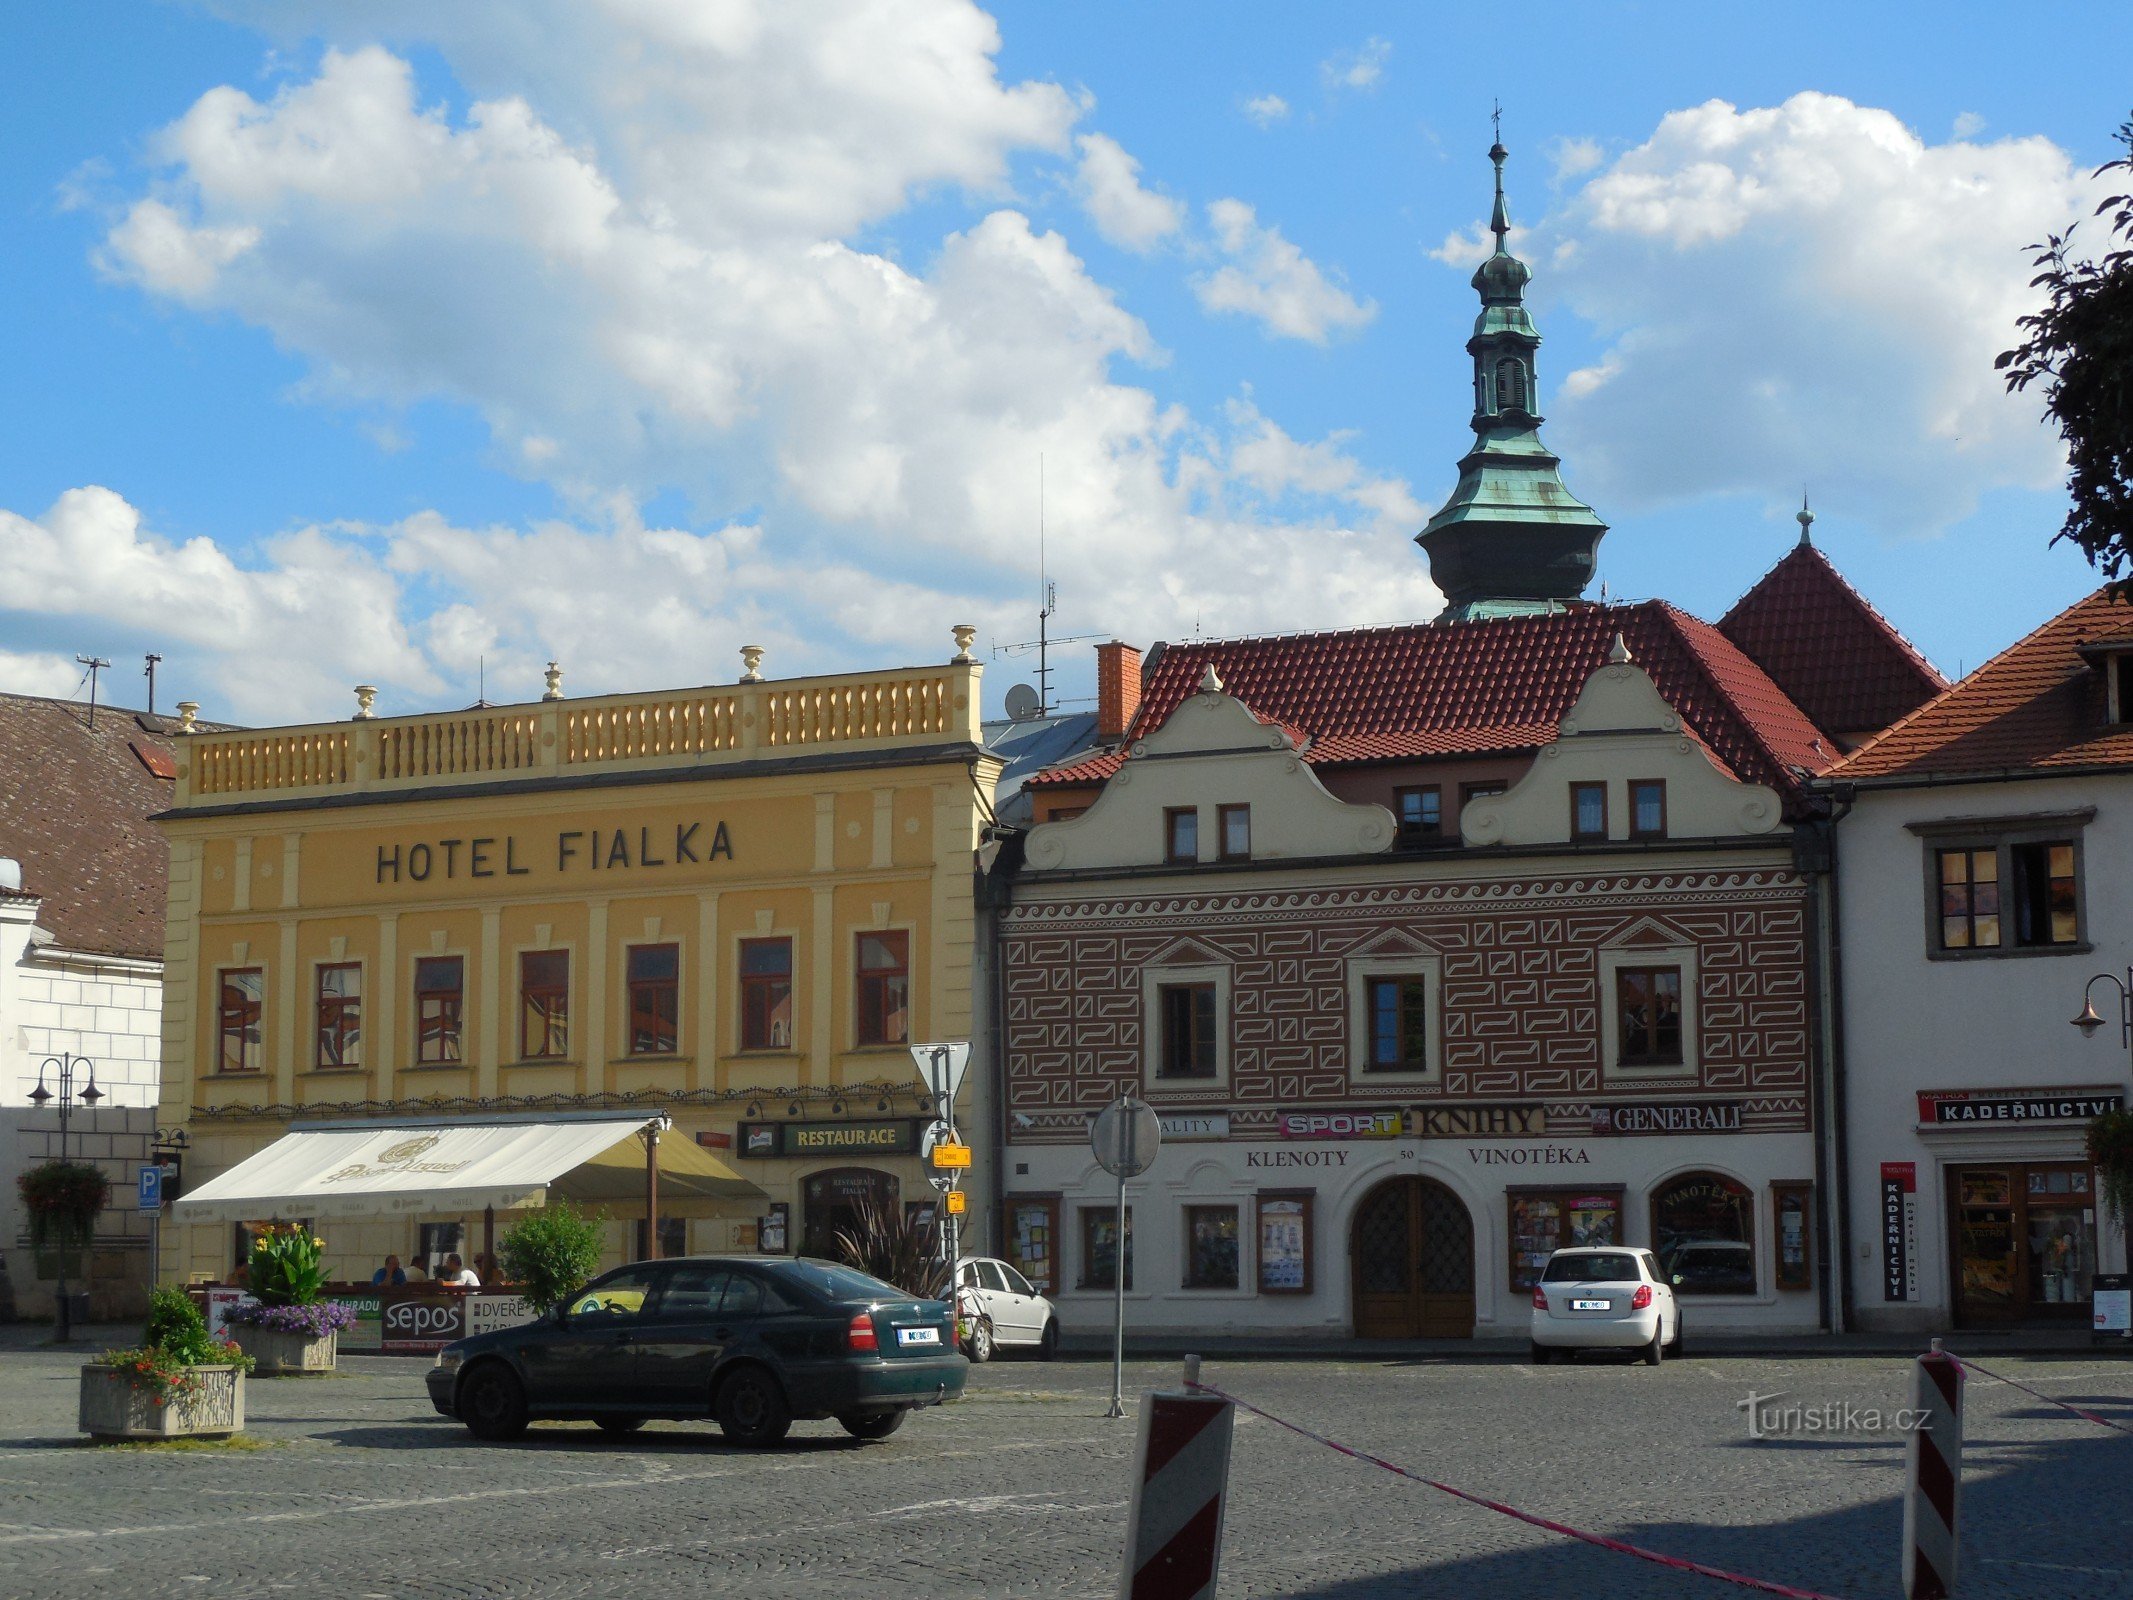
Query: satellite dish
[{"x": 1022, "y": 703}]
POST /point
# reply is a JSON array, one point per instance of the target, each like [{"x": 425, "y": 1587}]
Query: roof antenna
[
  {"x": 95, "y": 664},
  {"x": 1806, "y": 519},
  {"x": 153, "y": 658},
  {"x": 1047, "y": 603}
]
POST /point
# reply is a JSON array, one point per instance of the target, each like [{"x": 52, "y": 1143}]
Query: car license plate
[
  {"x": 911, "y": 1336},
  {"x": 1588, "y": 1305}
]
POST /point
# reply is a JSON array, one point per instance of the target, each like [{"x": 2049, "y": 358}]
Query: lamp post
[
  {"x": 40, "y": 1097},
  {"x": 2089, "y": 1020}
]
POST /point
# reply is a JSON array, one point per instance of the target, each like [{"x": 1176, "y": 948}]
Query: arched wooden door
[{"x": 1411, "y": 1263}]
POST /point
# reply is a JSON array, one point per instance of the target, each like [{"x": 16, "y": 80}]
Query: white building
[
  {"x": 82, "y": 878},
  {"x": 1982, "y": 881}
]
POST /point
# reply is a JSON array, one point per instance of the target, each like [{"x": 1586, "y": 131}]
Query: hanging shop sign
[
  {"x": 896, "y": 1136},
  {"x": 1191, "y": 1125},
  {"x": 1703, "y": 1116},
  {"x": 1899, "y": 1230},
  {"x": 1341, "y": 1124},
  {"x": 1953, "y": 1107},
  {"x": 1480, "y": 1122}
]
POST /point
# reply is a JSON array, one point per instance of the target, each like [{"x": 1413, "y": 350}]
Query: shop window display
[
  {"x": 1546, "y": 1220},
  {"x": 1285, "y": 1243},
  {"x": 1099, "y": 1247},
  {"x": 1703, "y": 1226},
  {"x": 1211, "y": 1247}
]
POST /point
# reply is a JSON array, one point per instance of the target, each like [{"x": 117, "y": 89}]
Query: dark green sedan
[{"x": 752, "y": 1342}]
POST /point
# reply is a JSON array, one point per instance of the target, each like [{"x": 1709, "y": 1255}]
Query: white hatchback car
[
  {"x": 1605, "y": 1297},
  {"x": 1003, "y": 1310}
]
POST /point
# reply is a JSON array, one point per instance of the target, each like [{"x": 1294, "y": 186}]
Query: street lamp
[
  {"x": 2090, "y": 1020},
  {"x": 40, "y": 1097}
]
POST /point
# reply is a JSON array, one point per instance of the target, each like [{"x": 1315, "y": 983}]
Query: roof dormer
[{"x": 2113, "y": 659}]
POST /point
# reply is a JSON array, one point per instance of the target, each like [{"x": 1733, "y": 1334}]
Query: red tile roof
[
  {"x": 1834, "y": 654},
  {"x": 1500, "y": 685},
  {"x": 2037, "y": 704},
  {"x": 74, "y": 809}
]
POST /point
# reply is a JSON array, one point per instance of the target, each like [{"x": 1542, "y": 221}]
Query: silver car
[
  {"x": 1605, "y": 1297},
  {"x": 1002, "y": 1310}
]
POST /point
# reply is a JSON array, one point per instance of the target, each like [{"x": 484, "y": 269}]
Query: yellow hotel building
[{"x": 735, "y": 905}]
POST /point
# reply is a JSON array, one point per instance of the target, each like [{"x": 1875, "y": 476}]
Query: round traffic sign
[{"x": 1126, "y": 1136}]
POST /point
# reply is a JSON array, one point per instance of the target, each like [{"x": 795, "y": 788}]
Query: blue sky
[{"x": 373, "y": 347}]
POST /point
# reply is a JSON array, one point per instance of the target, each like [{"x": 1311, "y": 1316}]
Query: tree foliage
[
  {"x": 552, "y": 1253},
  {"x": 2079, "y": 347}
]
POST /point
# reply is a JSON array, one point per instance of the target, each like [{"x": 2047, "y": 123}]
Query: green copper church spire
[{"x": 1511, "y": 540}]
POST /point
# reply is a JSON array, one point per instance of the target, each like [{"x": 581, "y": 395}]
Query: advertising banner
[
  {"x": 1899, "y": 1230},
  {"x": 1947, "y": 1107},
  {"x": 1341, "y": 1124},
  {"x": 423, "y": 1324}
]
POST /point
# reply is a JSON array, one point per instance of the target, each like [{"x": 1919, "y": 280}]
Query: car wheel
[
  {"x": 1048, "y": 1346},
  {"x": 492, "y": 1402},
  {"x": 618, "y": 1425},
  {"x": 751, "y": 1408},
  {"x": 979, "y": 1345},
  {"x": 1542, "y": 1355},
  {"x": 1655, "y": 1352},
  {"x": 872, "y": 1424}
]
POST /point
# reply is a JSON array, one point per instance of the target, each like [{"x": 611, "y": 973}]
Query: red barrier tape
[
  {"x": 2085, "y": 1416},
  {"x": 1620, "y": 1546}
]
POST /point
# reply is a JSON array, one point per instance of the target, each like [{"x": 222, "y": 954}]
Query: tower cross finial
[
  {"x": 1496, "y": 119},
  {"x": 1500, "y": 215}
]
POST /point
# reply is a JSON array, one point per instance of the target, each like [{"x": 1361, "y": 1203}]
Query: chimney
[{"x": 1118, "y": 688}]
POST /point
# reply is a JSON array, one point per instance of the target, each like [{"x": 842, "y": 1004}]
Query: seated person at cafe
[
  {"x": 457, "y": 1274},
  {"x": 418, "y": 1269},
  {"x": 391, "y": 1273}
]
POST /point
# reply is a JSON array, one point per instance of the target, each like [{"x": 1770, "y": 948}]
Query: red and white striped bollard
[
  {"x": 1180, "y": 1479},
  {"x": 1933, "y": 1477}
]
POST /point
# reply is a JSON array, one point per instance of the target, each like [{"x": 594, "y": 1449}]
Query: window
[
  {"x": 1211, "y": 1247},
  {"x": 1969, "y": 899},
  {"x": 1647, "y": 808},
  {"x": 237, "y": 1019},
  {"x": 884, "y": 988},
  {"x": 1016, "y": 1283},
  {"x": 543, "y": 1004},
  {"x": 1181, "y": 833},
  {"x": 673, "y": 1239},
  {"x": 1703, "y": 1227},
  {"x": 1510, "y": 386},
  {"x": 340, "y": 1017},
  {"x": 1188, "y": 1030},
  {"x": 1399, "y": 1024},
  {"x": 1544, "y": 1221},
  {"x": 1480, "y": 791},
  {"x": 1099, "y": 1247},
  {"x": 440, "y": 998},
  {"x": 2019, "y": 893},
  {"x": 1420, "y": 812},
  {"x": 655, "y": 999},
  {"x": 1648, "y": 1006},
  {"x": 766, "y": 994},
  {"x": 1285, "y": 1241},
  {"x": 615, "y": 1300},
  {"x": 1236, "y": 824},
  {"x": 1588, "y": 811},
  {"x": 1033, "y": 1238},
  {"x": 2044, "y": 903},
  {"x": 1793, "y": 1206}
]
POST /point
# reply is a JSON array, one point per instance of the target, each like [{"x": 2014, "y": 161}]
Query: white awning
[{"x": 369, "y": 1169}]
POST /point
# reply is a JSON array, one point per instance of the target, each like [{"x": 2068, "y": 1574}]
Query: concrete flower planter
[
  {"x": 114, "y": 1407},
  {"x": 279, "y": 1355}
]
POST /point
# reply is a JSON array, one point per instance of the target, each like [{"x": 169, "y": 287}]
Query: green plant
[
  {"x": 552, "y": 1253},
  {"x": 2110, "y": 1142},
  {"x": 62, "y": 1198},
  {"x": 285, "y": 1268},
  {"x": 891, "y": 1244},
  {"x": 176, "y": 1327},
  {"x": 165, "y": 1374}
]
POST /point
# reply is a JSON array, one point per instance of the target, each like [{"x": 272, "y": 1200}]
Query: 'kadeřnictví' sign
[
  {"x": 1945, "y": 1106},
  {"x": 506, "y": 855}
]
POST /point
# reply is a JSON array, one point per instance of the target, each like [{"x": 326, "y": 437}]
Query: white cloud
[
  {"x": 1266, "y": 109},
  {"x": 1575, "y": 157},
  {"x": 1109, "y": 186},
  {"x": 1270, "y": 279},
  {"x": 1823, "y": 293},
  {"x": 54, "y": 677},
  {"x": 1356, "y": 69},
  {"x": 1968, "y": 125}
]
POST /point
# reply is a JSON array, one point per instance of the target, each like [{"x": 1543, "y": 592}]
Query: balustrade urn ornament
[
  {"x": 188, "y": 716},
  {"x": 366, "y": 697},
  {"x": 553, "y": 678},
  {"x": 752, "y": 662},
  {"x": 965, "y": 635}
]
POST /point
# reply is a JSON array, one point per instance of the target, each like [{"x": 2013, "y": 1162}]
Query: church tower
[{"x": 1511, "y": 540}]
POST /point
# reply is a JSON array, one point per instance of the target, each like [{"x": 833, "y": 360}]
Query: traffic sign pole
[{"x": 1126, "y": 1137}]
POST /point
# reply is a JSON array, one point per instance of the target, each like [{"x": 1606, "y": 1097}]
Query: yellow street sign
[
  {"x": 951, "y": 1155},
  {"x": 958, "y": 1202}
]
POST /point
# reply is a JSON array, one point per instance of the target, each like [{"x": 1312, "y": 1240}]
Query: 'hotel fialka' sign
[{"x": 574, "y": 850}]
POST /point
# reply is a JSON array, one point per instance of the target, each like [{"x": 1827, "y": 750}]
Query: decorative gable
[
  {"x": 1210, "y": 753},
  {"x": 1621, "y": 737}
]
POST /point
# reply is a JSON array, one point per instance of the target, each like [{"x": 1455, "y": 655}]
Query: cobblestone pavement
[{"x": 1020, "y": 1489}]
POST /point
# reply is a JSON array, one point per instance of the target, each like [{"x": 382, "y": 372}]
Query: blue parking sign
[{"x": 151, "y": 1195}]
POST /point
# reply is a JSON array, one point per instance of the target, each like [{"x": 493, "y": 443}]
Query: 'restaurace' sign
[
  {"x": 1949, "y": 1107},
  {"x": 895, "y": 1137}
]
